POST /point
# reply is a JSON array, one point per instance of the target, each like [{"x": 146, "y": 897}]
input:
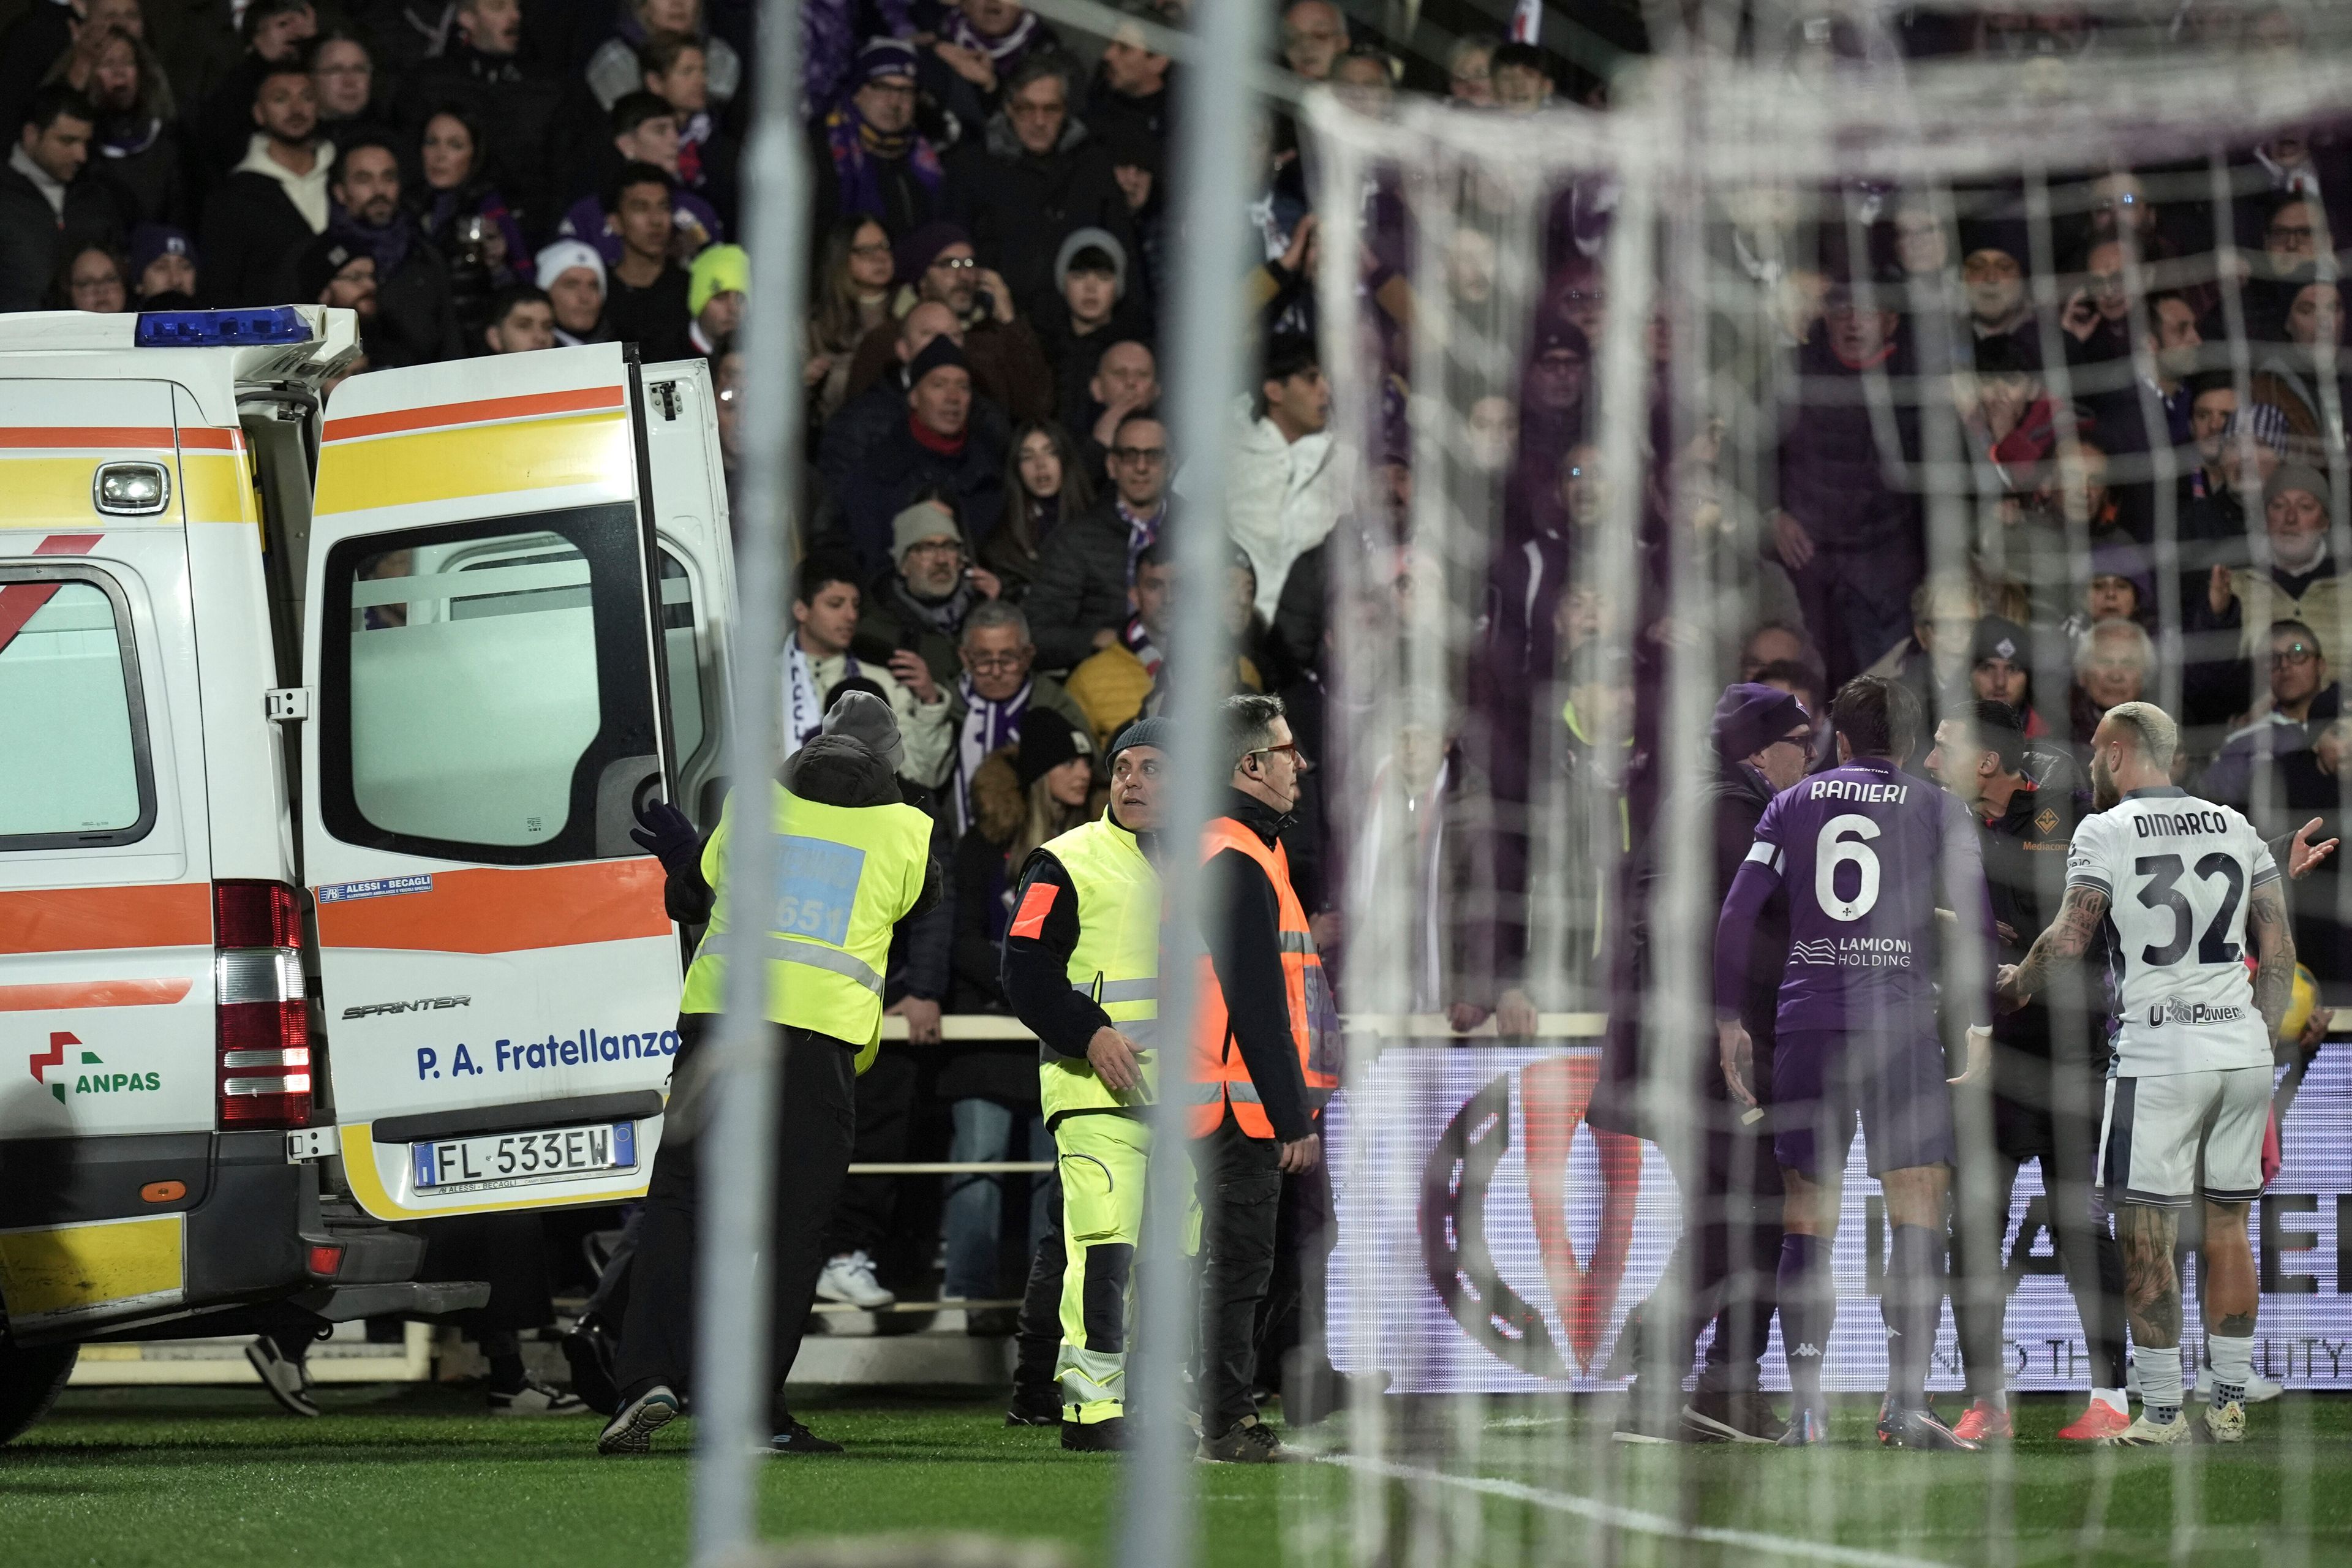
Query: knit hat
[
  {"x": 719, "y": 269},
  {"x": 1158, "y": 733},
  {"x": 865, "y": 719},
  {"x": 2297, "y": 477},
  {"x": 1100, "y": 239},
  {"x": 924, "y": 519},
  {"x": 1047, "y": 741},
  {"x": 939, "y": 353},
  {"x": 1748, "y": 717},
  {"x": 913, "y": 255},
  {"x": 321, "y": 261},
  {"x": 884, "y": 56},
  {"x": 562, "y": 256},
  {"x": 2264, "y": 423},
  {"x": 2005, "y": 235},
  {"x": 1997, "y": 637},
  {"x": 152, "y": 240}
]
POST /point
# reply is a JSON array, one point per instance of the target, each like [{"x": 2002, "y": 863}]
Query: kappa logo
[{"x": 1807, "y": 1351}]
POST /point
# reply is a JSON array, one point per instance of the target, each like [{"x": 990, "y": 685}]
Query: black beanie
[{"x": 1047, "y": 741}]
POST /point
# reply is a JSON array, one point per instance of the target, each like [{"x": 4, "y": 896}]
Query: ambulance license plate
[{"x": 512, "y": 1159}]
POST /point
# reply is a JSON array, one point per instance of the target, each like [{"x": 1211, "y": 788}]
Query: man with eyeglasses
[
  {"x": 1079, "y": 600},
  {"x": 918, "y": 604},
  {"x": 880, "y": 164},
  {"x": 1033, "y": 175},
  {"x": 1264, "y": 1059},
  {"x": 987, "y": 699},
  {"x": 2300, "y": 700}
]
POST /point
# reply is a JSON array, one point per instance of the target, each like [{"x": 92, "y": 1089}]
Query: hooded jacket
[
  {"x": 1281, "y": 499},
  {"x": 257, "y": 223},
  {"x": 830, "y": 770}
]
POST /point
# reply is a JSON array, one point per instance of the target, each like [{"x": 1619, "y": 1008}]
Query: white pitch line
[{"x": 1638, "y": 1522}]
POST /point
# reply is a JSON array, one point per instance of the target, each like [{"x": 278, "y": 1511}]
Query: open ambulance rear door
[
  {"x": 483, "y": 673},
  {"x": 695, "y": 557}
]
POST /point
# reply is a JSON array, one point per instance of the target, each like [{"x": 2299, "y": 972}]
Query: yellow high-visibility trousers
[{"x": 1102, "y": 1159}]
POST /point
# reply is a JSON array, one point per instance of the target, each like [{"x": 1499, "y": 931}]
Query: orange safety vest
[{"x": 1220, "y": 1077}]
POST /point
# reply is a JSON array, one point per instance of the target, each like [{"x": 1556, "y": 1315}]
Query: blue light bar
[{"x": 221, "y": 329}]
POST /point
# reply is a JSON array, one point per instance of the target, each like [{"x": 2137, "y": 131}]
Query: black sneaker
[
  {"x": 1095, "y": 1437},
  {"x": 1248, "y": 1441},
  {"x": 1921, "y": 1429},
  {"x": 1726, "y": 1417},
  {"x": 796, "y": 1438},
  {"x": 1034, "y": 1405},
  {"x": 535, "y": 1399},
  {"x": 1648, "y": 1420},
  {"x": 593, "y": 1352},
  {"x": 631, "y": 1430},
  {"x": 287, "y": 1379}
]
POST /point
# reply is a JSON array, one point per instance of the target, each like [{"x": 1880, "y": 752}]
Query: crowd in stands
[{"x": 2145, "y": 396}]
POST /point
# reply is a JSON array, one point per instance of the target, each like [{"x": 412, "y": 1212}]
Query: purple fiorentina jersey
[{"x": 1865, "y": 852}]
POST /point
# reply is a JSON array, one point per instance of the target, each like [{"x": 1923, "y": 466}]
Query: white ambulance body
[{"x": 319, "y": 911}]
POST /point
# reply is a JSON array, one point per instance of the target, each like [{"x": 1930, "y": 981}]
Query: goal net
[{"x": 2008, "y": 372}]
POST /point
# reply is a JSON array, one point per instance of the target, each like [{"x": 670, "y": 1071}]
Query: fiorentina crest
[{"x": 1454, "y": 1194}]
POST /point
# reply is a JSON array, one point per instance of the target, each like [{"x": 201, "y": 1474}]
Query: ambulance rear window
[
  {"x": 74, "y": 770},
  {"x": 489, "y": 688}
]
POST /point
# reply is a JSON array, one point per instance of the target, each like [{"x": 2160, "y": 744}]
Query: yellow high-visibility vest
[
  {"x": 1116, "y": 961},
  {"x": 848, "y": 874}
]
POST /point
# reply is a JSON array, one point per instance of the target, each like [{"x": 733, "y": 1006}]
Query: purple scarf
[{"x": 856, "y": 147}]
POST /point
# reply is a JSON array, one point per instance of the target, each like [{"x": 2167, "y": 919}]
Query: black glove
[{"x": 667, "y": 836}]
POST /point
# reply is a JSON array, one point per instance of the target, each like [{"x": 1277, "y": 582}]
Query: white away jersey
[{"x": 2177, "y": 872}]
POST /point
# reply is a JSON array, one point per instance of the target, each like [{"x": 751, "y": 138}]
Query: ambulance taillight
[{"x": 264, "y": 1056}]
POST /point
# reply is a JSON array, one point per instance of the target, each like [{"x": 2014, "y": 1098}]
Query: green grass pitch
[{"x": 191, "y": 1477}]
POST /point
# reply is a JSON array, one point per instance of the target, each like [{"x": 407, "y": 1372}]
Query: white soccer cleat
[
  {"x": 850, "y": 1278},
  {"x": 2226, "y": 1421},
  {"x": 2146, "y": 1433}
]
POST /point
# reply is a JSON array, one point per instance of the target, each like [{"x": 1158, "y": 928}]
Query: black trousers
[
  {"x": 1239, "y": 1180},
  {"x": 1724, "y": 1266},
  {"x": 864, "y": 1219},
  {"x": 2055, "y": 1120},
  {"x": 816, "y": 1128},
  {"x": 1038, "y": 1339}
]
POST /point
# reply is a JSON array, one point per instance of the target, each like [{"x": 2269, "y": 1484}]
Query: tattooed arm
[
  {"x": 2266, "y": 922},
  {"x": 2077, "y": 923}
]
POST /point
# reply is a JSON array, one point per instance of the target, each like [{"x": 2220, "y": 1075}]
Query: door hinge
[
  {"x": 304, "y": 1144},
  {"x": 285, "y": 704}
]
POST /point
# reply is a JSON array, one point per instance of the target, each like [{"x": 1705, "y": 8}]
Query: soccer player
[
  {"x": 2048, "y": 1071},
  {"x": 2179, "y": 883},
  {"x": 1863, "y": 851}
]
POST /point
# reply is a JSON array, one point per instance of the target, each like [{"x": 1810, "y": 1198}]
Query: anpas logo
[
  {"x": 88, "y": 1082},
  {"x": 2173, "y": 1010}
]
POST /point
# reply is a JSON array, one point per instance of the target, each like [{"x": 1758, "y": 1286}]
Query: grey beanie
[
  {"x": 2296, "y": 476},
  {"x": 862, "y": 717},
  {"x": 1080, "y": 239},
  {"x": 1158, "y": 733}
]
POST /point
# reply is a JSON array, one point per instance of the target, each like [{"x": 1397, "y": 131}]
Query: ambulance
[{"x": 327, "y": 717}]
